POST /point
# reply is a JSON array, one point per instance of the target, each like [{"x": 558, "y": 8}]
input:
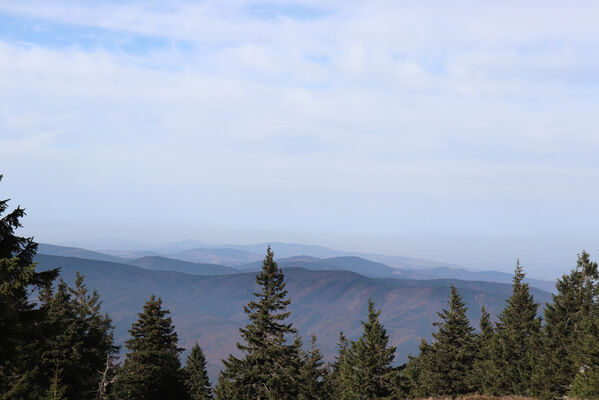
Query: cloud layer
[{"x": 349, "y": 123}]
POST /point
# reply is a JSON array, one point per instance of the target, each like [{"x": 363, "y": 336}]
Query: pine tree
[
  {"x": 366, "y": 372},
  {"x": 333, "y": 383},
  {"x": 563, "y": 334},
  {"x": 447, "y": 363},
  {"x": 79, "y": 337},
  {"x": 585, "y": 384},
  {"x": 270, "y": 366},
  {"x": 483, "y": 352},
  {"x": 514, "y": 349},
  {"x": 196, "y": 376},
  {"x": 312, "y": 374},
  {"x": 20, "y": 321},
  {"x": 416, "y": 372},
  {"x": 152, "y": 369}
]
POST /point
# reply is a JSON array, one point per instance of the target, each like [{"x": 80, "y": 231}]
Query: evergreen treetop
[
  {"x": 366, "y": 371},
  {"x": 515, "y": 347},
  {"x": 152, "y": 369},
  {"x": 565, "y": 339},
  {"x": 196, "y": 376},
  {"x": 21, "y": 323},
  {"x": 270, "y": 365}
]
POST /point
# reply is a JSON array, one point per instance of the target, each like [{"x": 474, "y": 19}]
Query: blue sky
[{"x": 456, "y": 131}]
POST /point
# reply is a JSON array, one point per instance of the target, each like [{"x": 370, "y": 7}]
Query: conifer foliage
[
  {"x": 444, "y": 366},
  {"x": 21, "y": 324},
  {"x": 152, "y": 369},
  {"x": 366, "y": 371},
  {"x": 79, "y": 339},
  {"x": 270, "y": 364},
  {"x": 567, "y": 336},
  {"x": 514, "y": 349},
  {"x": 196, "y": 376},
  {"x": 312, "y": 374}
]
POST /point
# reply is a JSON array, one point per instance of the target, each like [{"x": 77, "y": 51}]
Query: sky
[{"x": 461, "y": 131}]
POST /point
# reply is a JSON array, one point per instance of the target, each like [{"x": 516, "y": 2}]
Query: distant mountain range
[
  {"x": 233, "y": 258},
  {"x": 209, "y": 309}
]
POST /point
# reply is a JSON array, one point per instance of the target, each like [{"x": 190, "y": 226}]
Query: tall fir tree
[
  {"x": 483, "y": 352},
  {"x": 196, "y": 376},
  {"x": 152, "y": 369},
  {"x": 585, "y": 384},
  {"x": 366, "y": 372},
  {"x": 270, "y": 364},
  {"x": 514, "y": 348},
  {"x": 21, "y": 322},
  {"x": 564, "y": 334},
  {"x": 446, "y": 364},
  {"x": 313, "y": 374},
  {"x": 79, "y": 337},
  {"x": 334, "y": 385}
]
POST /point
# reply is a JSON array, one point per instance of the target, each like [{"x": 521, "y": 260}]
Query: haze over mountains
[
  {"x": 328, "y": 295},
  {"x": 202, "y": 260}
]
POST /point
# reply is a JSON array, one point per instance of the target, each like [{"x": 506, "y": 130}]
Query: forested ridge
[{"x": 56, "y": 344}]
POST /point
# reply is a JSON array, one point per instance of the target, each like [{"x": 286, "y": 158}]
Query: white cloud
[{"x": 380, "y": 110}]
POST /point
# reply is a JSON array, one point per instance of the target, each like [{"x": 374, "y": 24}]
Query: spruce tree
[
  {"x": 333, "y": 380},
  {"x": 270, "y": 364},
  {"x": 447, "y": 363},
  {"x": 79, "y": 338},
  {"x": 514, "y": 348},
  {"x": 21, "y": 323},
  {"x": 483, "y": 352},
  {"x": 196, "y": 376},
  {"x": 366, "y": 372},
  {"x": 585, "y": 384},
  {"x": 564, "y": 334},
  {"x": 152, "y": 369},
  {"x": 416, "y": 372},
  {"x": 312, "y": 374}
]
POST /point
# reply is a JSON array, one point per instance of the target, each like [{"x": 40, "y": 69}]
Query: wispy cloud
[{"x": 378, "y": 116}]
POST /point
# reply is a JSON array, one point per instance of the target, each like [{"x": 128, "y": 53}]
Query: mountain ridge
[{"x": 209, "y": 309}]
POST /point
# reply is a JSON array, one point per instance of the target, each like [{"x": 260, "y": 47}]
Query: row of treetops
[{"x": 61, "y": 346}]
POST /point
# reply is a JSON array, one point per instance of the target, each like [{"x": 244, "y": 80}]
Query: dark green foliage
[
  {"x": 564, "y": 334},
  {"x": 366, "y": 372},
  {"x": 270, "y": 367},
  {"x": 313, "y": 374},
  {"x": 585, "y": 384},
  {"x": 486, "y": 327},
  {"x": 483, "y": 343},
  {"x": 333, "y": 382},
  {"x": 444, "y": 367},
  {"x": 57, "y": 388},
  {"x": 21, "y": 324},
  {"x": 514, "y": 349},
  {"x": 79, "y": 338},
  {"x": 196, "y": 377},
  {"x": 152, "y": 369}
]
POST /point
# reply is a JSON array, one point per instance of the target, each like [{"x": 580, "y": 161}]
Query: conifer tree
[
  {"x": 446, "y": 364},
  {"x": 21, "y": 322},
  {"x": 585, "y": 384},
  {"x": 79, "y": 337},
  {"x": 366, "y": 372},
  {"x": 312, "y": 374},
  {"x": 152, "y": 369},
  {"x": 270, "y": 364},
  {"x": 564, "y": 333},
  {"x": 333, "y": 380},
  {"x": 514, "y": 349},
  {"x": 196, "y": 376},
  {"x": 483, "y": 350},
  {"x": 415, "y": 374}
]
